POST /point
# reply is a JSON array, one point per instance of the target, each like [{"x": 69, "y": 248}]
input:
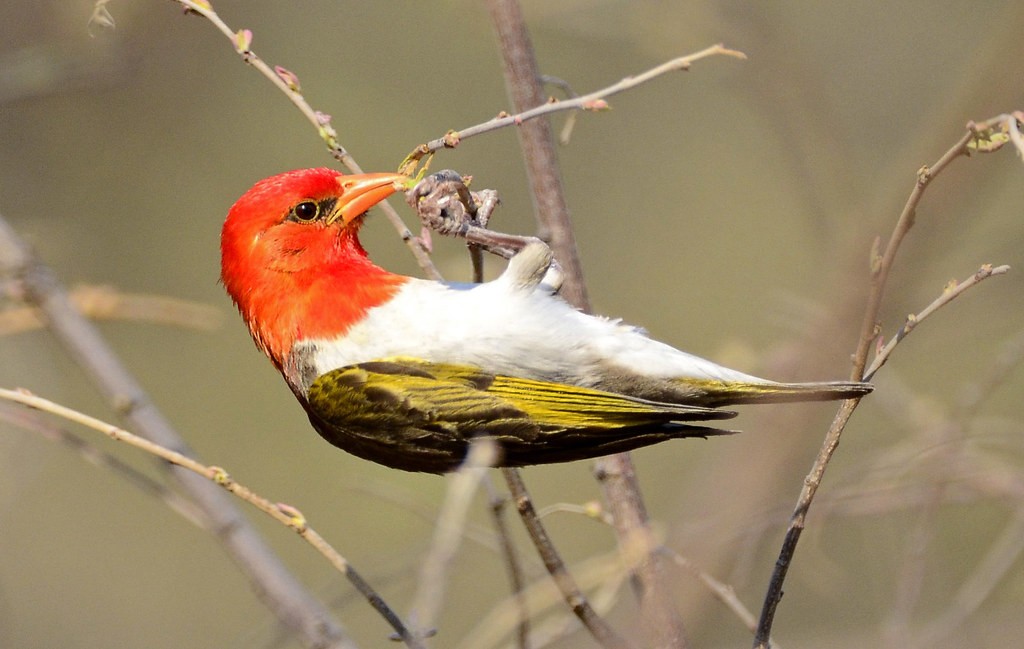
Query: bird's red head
[{"x": 291, "y": 259}]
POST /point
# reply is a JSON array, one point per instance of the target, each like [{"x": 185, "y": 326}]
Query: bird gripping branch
[{"x": 405, "y": 371}]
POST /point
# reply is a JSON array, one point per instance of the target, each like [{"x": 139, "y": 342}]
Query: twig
[
  {"x": 983, "y": 137},
  {"x": 107, "y": 303},
  {"x": 979, "y": 137},
  {"x": 591, "y": 509},
  {"x": 498, "y": 503},
  {"x": 284, "y": 514},
  {"x": 565, "y": 582},
  {"x": 952, "y": 291},
  {"x": 570, "y": 120},
  {"x": 288, "y": 83},
  {"x": 279, "y": 590},
  {"x": 604, "y": 574},
  {"x": 593, "y": 101},
  {"x": 723, "y": 592},
  {"x": 451, "y": 521}
]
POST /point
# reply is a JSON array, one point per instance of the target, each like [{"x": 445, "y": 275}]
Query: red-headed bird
[{"x": 406, "y": 371}]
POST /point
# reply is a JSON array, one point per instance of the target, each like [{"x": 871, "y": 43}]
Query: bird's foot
[{"x": 444, "y": 204}]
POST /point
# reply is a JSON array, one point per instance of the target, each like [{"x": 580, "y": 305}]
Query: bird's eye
[{"x": 305, "y": 211}]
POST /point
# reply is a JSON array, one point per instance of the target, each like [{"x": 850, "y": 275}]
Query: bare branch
[
  {"x": 659, "y": 618},
  {"x": 17, "y": 415},
  {"x": 593, "y": 101},
  {"x": 952, "y": 291},
  {"x": 288, "y": 83},
  {"x": 107, "y": 303},
  {"x": 723, "y": 592},
  {"x": 284, "y": 514},
  {"x": 498, "y": 508},
  {"x": 980, "y": 137},
  {"x": 567, "y": 585},
  {"x": 603, "y": 574}
]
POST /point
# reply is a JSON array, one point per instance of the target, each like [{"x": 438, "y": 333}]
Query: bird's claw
[{"x": 444, "y": 204}]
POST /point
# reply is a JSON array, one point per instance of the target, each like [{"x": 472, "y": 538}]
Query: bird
[{"x": 407, "y": 372}]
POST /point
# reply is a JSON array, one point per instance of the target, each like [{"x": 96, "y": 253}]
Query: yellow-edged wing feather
[{"x": 420, "y": 416}]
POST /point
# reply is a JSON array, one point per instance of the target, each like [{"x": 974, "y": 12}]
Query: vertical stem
[
  {"x": 659, "y": 619},
  {"x": 565, "y": 582},
  {"x": 522, "y": 78}
]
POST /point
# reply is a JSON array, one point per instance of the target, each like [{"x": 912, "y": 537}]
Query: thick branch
[
  {"x": 522, "y": 79},
  {"x": 659, "y": 618}
]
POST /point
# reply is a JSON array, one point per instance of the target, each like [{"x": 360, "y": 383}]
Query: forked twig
[
  {"x": 952, "y": 291},
  {"x": 984, "y": 137}
]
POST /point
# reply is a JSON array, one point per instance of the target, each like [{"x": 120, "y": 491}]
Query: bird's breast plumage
[{"x": 503, "y": 328}]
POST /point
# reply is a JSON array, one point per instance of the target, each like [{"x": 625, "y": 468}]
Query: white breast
[{"x": 505, "y": 328}]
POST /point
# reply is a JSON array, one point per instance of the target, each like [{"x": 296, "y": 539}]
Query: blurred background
[{"x": 730, "y": 210}]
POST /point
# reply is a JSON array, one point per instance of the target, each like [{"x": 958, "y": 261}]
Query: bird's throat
[{"x": 314, "y": 303}]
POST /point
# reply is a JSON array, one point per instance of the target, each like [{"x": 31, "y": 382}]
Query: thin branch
[
  {"x": 986, "y": 137},
  {"x": 284, "y": 514},
  {"x": 978, "y": 137},
  {"x": 565, "y": 582},
  {"x": 498, "y": 504},
  {"x": 604, "y": 574},
  {"x": 722, "y": 591},
  {"x": 952, "y": 291},
  {"x": 107, "y": 303},
  {"x": 288, "y": 83},
  {"x": 593, "y": 101},
  {"x": 451, "y": 521}
]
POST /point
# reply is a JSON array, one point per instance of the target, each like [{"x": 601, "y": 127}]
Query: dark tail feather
[{"x": 727, "y": 393}]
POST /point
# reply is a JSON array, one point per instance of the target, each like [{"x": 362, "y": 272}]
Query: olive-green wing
[{"x": 407, "y": 413}]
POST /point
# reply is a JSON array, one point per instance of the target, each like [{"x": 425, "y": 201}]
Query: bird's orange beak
[{"x": 360, "y": 192}]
